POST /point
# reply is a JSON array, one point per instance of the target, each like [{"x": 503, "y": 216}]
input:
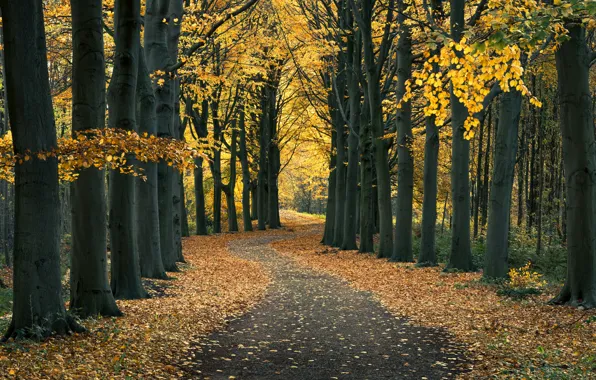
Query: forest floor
[
  {"x": 150, "y": 341},
  {"x": 504, "y": 337},
  {"x": 278, "y": 304},
  {"x": 311, "y": 325}
]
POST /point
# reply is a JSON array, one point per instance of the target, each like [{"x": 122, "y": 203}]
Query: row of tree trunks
[
  {"x": 37, "y": 279},
  {"x": 373, "y": 64}
]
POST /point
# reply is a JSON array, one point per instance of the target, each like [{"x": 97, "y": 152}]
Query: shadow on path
[{"x": 315, "y": 326}]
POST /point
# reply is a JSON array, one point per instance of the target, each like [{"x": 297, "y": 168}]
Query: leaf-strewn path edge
[
  {"x": 505, "y": 338},
  {"x": 151, "y": 339}
]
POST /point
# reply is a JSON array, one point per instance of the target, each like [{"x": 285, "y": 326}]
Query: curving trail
[{"x": 314, "y": 326}]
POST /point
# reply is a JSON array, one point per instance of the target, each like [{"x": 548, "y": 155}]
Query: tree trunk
[
  {"x": 200, "y": 124},
  {"x": 486, "y": 180},
  {"x": 246, "y": 186},
  {"x": 175, "y": 13},
  {"x": 200, "y": 199},
  {"x": 461, "y": 253},
  {"x": 340, "y": 168},
  {"x": 126, "y": 274},
  {"x": 428, "y": 255},
  {"x": 402, "y": 247},
  {"x": 540, "y": 164},
  {"x": 373, "y": 75},
  {"x": 367, "y": 196},
  {"x": 184, "y": 226},
  {"x": 158, "y": 59},
  {"x": 577, "y": 130},
  {"x": 147, "y": 194},
  {"x": 479, "y": 188},
  {"x": 254, "y": 200},
  {"x": 216, "y": 170},
  {"x": 350, "y": 207},
  {"x": 263, "y": 164},
  {"x": 497, "y": 243},
  {"x": 330, "y": 209},
  {"x": 229, "y": 189},
  {"x": 520, "y": 178},
  {"x": 273, "y": 160},
  {"x": 38, "y": 307},
  {"x": 90, "y": 292}
]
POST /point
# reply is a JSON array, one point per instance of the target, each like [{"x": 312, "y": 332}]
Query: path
[{"x": 315, "y": 326}]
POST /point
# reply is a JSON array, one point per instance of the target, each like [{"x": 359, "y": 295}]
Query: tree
[
  {"x": 354, "y": 62},
  {"x": 573, "y": 59},
  {"x": 126, "y": 274},
  {"x": 90, "y": 290},
  {"x": 38, "y": 307},
  {"x": 148, "y": 235},
  {"x": 402, "y": 248},
  {"x": 497, "y": 240},
  {"x": 374, "y": 62},
  {"x": 158, "y": 59},
  {"x": 461, "y": 251}
]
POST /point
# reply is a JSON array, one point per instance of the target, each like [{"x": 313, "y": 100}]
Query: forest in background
[{"x": 455, "y": 133}]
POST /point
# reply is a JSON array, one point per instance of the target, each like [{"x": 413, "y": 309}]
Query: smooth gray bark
[
  {"x": 497, "y": 240},
  {"x": 461, "y": 252},
  {"x": 273, "y": 160},
  {"x": 126, "y": 272},
  {"x": 402, "y": 248},
  {"x": 428, "y": 255},
  {"x": 340, "y": 168},
  {"x": 351, "y": 203},
  {"x": 229, "y": 188},
  {"x": 38, "y": 307},
  {"x": 215, "y": 166},
  {"x": 246, "y": 193},
  {"x": 158, "y": 58},
  {"x": 148, "y": 234},
  {"x": 367, "y": 196},
  {"x": 200, "y": 124},
  {"x": 175, "y": 13},
  {"x": 90, "y": 292},
  {"x": 579, "y": 157},
  {"x": 263, "y": 163},
  {"x": 332, "y": 184},
  {"x": 373, "y": 74}
]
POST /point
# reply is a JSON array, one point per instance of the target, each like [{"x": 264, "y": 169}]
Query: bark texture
[
  {"x": 90, "y": 292},
  {"x": 158, "y": 58},
  {"x": 579, "y": 156},
  {"x": 38, "y": 307},
  {"x": 497, "y": 240},
  {"x": 148, "y": 233},
  {"x": 126, "y": 273}
]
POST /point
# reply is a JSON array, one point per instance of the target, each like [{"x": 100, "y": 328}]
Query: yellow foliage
[{"x": 525, "y": 278}]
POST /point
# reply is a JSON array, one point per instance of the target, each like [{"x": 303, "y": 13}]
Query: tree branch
[{"x": 224, "y": 18}]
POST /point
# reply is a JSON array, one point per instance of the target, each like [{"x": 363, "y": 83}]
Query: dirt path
[{"x": 314, "y": 326}]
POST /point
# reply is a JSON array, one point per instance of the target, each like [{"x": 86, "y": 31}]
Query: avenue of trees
[
  {"x": 510, "y": 94},
  {"x": 124, "y": 189},
  {"x": 127, "y": 125}
]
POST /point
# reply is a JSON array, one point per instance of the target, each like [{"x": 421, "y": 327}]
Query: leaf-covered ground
[
  {"x": 506, "y": 338},
  {"x": 150, "y": 341},
  {"x": 311, "y": 325}
]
